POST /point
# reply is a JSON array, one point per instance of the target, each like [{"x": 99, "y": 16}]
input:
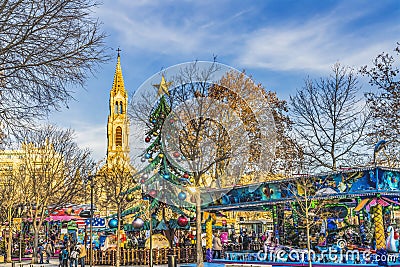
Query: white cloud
[
  {"x": 92, "y": 137},
  {"x": 317, "y": 43}
]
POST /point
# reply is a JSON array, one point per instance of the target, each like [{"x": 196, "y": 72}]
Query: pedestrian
[
  {"x": 217, "y": 246},
  {"x": 74, "y": 255},
  {"x": 82, "y": 254},
  {"x": 64, "y": 257},
  {"x": 49, "y": 251},
  {"x": 40, "y": 253},
  {"x": 245, "y": 241}
]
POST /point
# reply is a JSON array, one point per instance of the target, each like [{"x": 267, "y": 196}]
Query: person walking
[
  {"x": 64, "y": 257},
  {"x": 73, "y": 257},
  {"x": 82, "y": 254},
  {"x": 217, "y": 246},
  {"x": 40, "y": 253},
  {"x": 49, "y": 251}
]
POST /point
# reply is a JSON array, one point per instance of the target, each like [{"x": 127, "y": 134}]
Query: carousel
[{"x": 345, "y": 218}]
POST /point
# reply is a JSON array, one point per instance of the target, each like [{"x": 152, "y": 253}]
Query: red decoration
[
  {"x": 182, "y": 221},
  {"x": 147, "y": 139},
  {"x": 185, "y": 175},
  {"x": 176, "y": 154},
  {"x": 142, "y": 180},
  {"x": 152, "y": 193}
]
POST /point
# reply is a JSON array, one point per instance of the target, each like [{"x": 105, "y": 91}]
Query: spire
[{"x": 118, "y": 83}]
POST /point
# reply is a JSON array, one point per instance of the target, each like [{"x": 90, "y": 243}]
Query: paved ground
[{"x": 54, "y": 263}]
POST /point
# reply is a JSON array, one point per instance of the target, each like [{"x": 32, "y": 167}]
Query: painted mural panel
[{"x": 358, "y": 182}]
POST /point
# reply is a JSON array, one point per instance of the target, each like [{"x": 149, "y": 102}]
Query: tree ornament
[
  {"x": 171, "y": 121},
  {"x": 182, "y": 196},
  {"x": 137, "y": 223},
  {"x": 147, "y": 156},
  {"x": 113, "y": 223},
  {"x": 142, "y": 181},
  {"x": 150, "y": 159},
  {"x": 153, "y": 193},
  {"x": 154, "y": 121},
  {"x": 166, "y": 176},
  {"x": 155, "y": 133},
  {"x": 130, "y": 197},
  {"x": 185, "y": 175},
  {"x": 143, "y": 159},
  {"x": 182, "y": 221},
  {"x": 176, "y": 154},
  {"x": 147, "y": 139},
  {"x": 161, "y": 155}
]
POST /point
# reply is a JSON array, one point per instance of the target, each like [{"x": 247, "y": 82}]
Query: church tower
[{"x": 118, "y": 122}]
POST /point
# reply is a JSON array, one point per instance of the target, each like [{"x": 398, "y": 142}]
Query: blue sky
[{"x": 278, "y": 42}]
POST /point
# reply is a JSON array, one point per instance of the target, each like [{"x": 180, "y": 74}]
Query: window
[
  {"x": 118, "y": 136},
  {"x": 121, "y": 110},
  {"x": 116, "y": 107}
]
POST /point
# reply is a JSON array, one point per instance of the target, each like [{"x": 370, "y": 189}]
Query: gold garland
[
  {"x": 379, "y": 230},
  {"x": 209, "y": 237}
]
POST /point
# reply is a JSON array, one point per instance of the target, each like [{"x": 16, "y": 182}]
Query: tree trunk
[
  {"x": 35, "y": 242},
  {"x": 117, "y": 262},
  {"x": 308, "y": 243},
  {"x": 9, "y": 243},
  {"x": 199, "y": 248}
]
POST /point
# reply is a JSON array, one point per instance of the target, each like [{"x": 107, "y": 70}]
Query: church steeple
[
  {"x": 118, "y": 83},
  {"x": 118, "y": 123}
]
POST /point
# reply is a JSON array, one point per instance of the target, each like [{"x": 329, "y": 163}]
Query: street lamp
[{"x": 90, "y": 178}]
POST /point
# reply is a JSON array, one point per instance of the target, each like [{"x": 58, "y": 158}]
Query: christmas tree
[{"x": 162, "y": 181}]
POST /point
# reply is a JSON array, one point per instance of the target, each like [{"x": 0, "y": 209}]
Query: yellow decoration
[
  {"x": 159, "y": 241},
  {"x": 163, "y": 86},
  {"x": 209, "y": 237},
  {"x": 161, "y": 155},
  {"x": 379, "y": 230}
]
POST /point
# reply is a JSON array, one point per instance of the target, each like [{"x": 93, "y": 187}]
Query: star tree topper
[{"x": 162, "y": 86}]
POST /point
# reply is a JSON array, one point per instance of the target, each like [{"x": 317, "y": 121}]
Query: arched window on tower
[
  {"x": 118, "y": 136},
  {"x": 116, "y": 107},
  {"x": 121, "y": 108}
]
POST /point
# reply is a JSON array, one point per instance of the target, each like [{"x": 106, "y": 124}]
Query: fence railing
[{"x": 141, "y": 256}]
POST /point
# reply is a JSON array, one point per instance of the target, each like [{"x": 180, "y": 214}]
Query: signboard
[{"x": 159, "y": 241}]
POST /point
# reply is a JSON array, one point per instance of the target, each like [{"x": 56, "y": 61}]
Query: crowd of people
[{"x": 73, "y": 253}]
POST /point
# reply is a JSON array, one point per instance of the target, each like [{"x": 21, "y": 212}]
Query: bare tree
[
  {"x": 384, "y": 102},
  {"x": 51, "y": 173},
  {"x": 116, "y": 178},
  {"x": 310, "y": 201},
  {"x": 10, "y": 198},
  {"x": 330, "y": 119},
  {"x": 47, "y": 48},
  {"x": 218, "y": 131},
  {"x": 288, "y": 154}
]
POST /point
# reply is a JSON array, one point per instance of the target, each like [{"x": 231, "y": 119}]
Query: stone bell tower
[{"x": 118, "y": 122}]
